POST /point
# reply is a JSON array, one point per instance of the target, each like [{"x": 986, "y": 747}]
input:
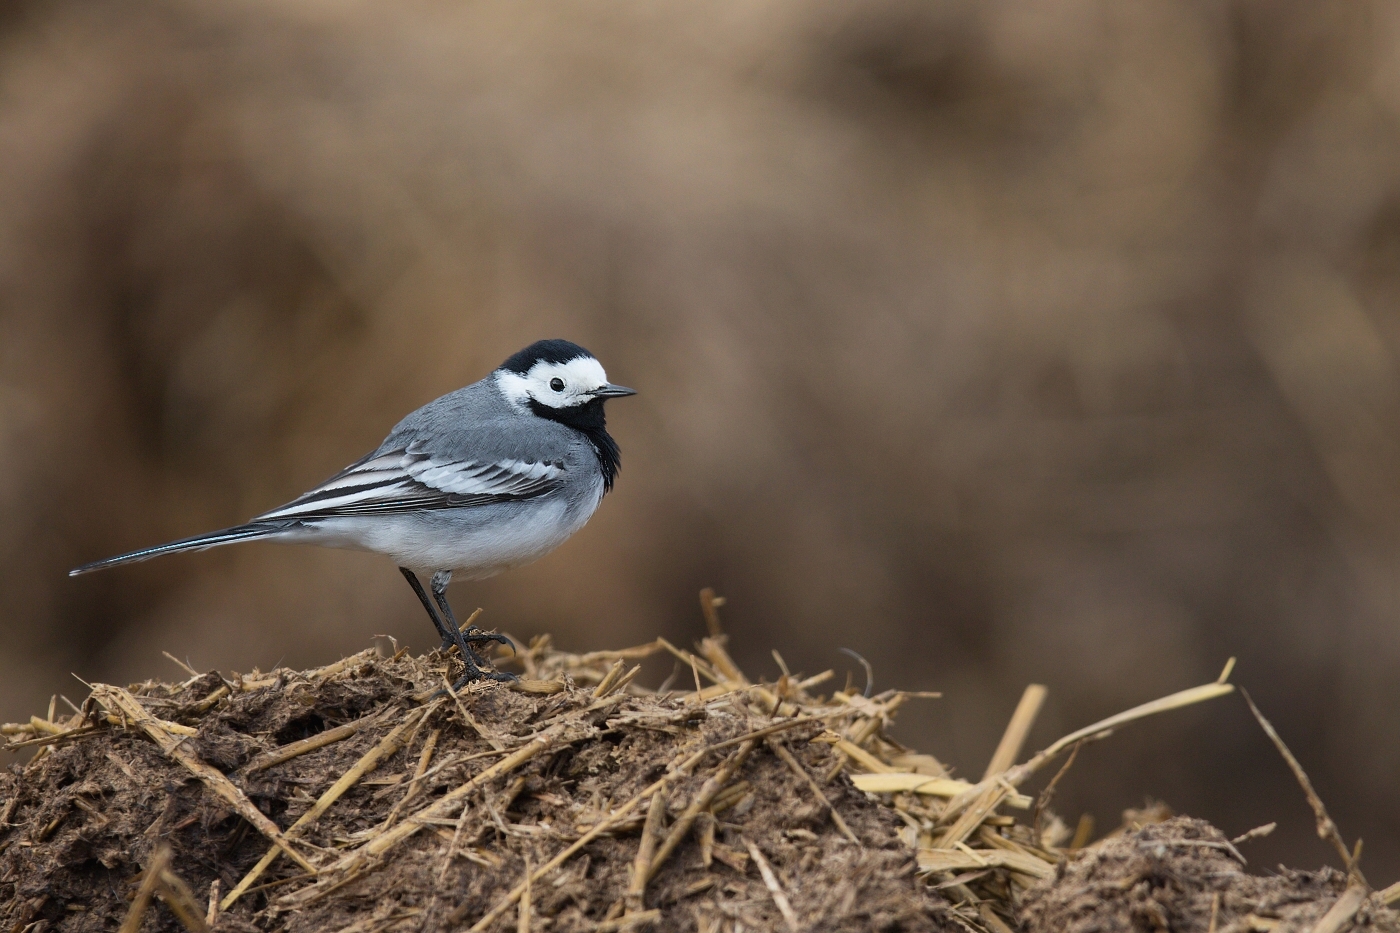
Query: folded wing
[{"x": 410, "y": 480}]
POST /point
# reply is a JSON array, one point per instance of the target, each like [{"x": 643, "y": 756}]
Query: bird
[{"x": 481, "y": 480}]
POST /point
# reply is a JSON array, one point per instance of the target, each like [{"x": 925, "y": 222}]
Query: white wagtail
[{"x": 486, "y": 478}]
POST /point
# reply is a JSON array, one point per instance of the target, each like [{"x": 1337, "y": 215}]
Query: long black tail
[{"x": 197, "y": 543}]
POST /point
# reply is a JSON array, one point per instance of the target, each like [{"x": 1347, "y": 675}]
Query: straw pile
[{"x": 366, "y": 796}]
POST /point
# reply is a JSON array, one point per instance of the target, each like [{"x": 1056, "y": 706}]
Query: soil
[
  {"x": 1183, "y": 875},
  {"x": 81, "y": 822}
]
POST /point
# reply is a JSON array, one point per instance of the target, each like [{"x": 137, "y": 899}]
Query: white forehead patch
[{"x": 579, "y": 377}]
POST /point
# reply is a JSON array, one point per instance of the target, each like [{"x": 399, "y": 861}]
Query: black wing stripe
[{"x": 336, "y": 492}]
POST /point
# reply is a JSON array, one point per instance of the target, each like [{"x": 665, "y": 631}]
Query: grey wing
[{"x": 410, "y": 480}]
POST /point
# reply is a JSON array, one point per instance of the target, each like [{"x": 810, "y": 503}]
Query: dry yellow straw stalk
[
  {"x": 646, "y": 850},
  {"x": 903, "y": 782},
  {"x": 180, "y": 899},
  {"x": 770, "y": 881},
  {"x": 1326, "y": 829},
  {"x": 1338, "y": 917},
  {"x": 605, "y": 685},
  {"x": 796, "y": 768},
  {"x": 160, "y": 859},
  {"x": 1009, "y": 749},
  {"x": 965, "y": 859},
  {"x": 321, "y": 739}
]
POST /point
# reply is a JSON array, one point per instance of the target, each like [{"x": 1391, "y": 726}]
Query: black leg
[
  {"x": 473, "y": 671},
  {"x": 454, "y": 634},
  {"x": 412, "y": 579},
  {"x": 464, "y": 640}
]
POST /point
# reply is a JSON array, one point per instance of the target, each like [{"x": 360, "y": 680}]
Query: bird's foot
[
  {"x": 472, "y": 659},
  {"x": 477, "y": 667},
  {"x": 475, "y": 636}
]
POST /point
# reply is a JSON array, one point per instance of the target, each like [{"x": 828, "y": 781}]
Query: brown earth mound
[
  {"x": 1183, "y": 875},
  {"x": 357, "y": 798}
]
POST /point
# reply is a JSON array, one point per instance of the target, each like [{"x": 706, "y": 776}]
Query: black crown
[{"x": 546, "y": 351}]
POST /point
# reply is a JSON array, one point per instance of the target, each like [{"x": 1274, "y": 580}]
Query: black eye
[{"x": 556, "y": 384}]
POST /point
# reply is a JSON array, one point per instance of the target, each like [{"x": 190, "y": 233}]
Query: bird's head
[{"x": 556, "y": 376}]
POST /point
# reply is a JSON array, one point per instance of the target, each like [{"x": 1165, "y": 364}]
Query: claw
[{"x": 478, "y": 636}]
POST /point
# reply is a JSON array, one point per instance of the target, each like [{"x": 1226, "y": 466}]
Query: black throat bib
[{"x": 589, "y": 419}]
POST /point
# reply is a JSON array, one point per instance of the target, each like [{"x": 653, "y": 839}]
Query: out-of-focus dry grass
[{"x": 1000, "y": 342}]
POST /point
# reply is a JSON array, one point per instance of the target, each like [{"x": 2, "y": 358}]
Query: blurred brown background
[{"x": 1000, "y": 341}]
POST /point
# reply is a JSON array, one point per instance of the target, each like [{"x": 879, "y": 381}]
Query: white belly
[{"x": 473, "y": 542}]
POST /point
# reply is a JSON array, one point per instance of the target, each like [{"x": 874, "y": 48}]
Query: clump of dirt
[
  {"x": 364, "y": 797},
  {"x": 1184, "y": 875},
  {"x": 85, "y": 818}
]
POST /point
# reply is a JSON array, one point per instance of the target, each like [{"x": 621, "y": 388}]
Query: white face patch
[{"x": 557, "y": 385}]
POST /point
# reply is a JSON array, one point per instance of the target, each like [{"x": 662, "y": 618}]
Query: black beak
[{"x": 612, "y": 391}]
